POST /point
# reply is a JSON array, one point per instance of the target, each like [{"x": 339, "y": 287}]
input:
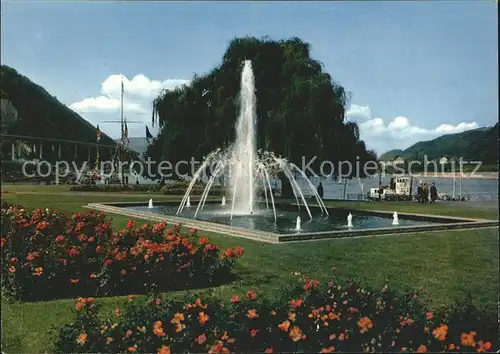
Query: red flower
[
  {"x": 42, "y": 225},
  {"x": 203, "y": 240},
  {"x": 252, "y": 295},
  {"x": 235, "y": 299},
  {"x": 269, "y": 350},
  {"x": 73, "y": 252},
  {"x": 98, "y": 249},
  {"x": 429, "y": 315},
  {"x": 201, "y": 339},
  {"x": 193, "y": 230},
  {"x": 130, "y": 224},
  {"x": 253, "y": 332},
  {"x": 59, "y": 239},
  {"x": 107, "y": 262}
]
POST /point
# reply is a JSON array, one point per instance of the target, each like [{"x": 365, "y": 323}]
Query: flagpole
[{"x": 122, "y": 137}]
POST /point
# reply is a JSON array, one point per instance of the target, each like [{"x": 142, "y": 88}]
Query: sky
[{"x": 415, "y": 70}]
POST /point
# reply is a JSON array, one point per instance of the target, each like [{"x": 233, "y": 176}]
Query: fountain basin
[{"x": 261, "y": 226}]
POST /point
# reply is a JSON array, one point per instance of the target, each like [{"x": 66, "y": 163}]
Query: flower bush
[
  {"x": 314, "y": 318},
  {"x": 48, "y": 254}
]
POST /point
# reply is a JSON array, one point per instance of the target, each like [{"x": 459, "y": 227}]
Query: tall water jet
[
  {"x": 349, "y": 220},
  {"x": 150, "y": 205},
  {"x": 188, "y": 203},
  {"x": 244, "y": 148},
  {"x": 223, "y": 201}
]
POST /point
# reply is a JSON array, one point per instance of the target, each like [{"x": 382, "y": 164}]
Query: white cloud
[
  {"x": 104, "y": 103},
  {"x": 139, "y": 92},
  {"x": 398, "y": 133}
]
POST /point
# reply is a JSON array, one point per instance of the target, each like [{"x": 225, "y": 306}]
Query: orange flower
[
  {"x": 179, "y": 327},
  {"x": 131, "y": 297},
  {"x": 132, "y": 349},
  {"x": 198, "y": 303},
  {"x": 203, "y": 318},
  {"x": 328, "y": 350},
  {"x": 296, "y": 334},
  {"x": 483, "y": 346},
  {"x": 252, "y": 313},
  {"x": 202, "y": 338},
  {"x": 333, "y": 316},
  {"x": 82, "y": 339},
  {"x": 451, "y": 347},
  {"x": 273, "y": 313},
  {"x": 284, "y": 326},
  {"x": 235, "y": 299},
  {"x": 178, "y": 317},
  {"x": 364, "y": 324},
  {"x": 467, "y": 339},
  {"x": 158, "y": 329},
  {"x": 74, "y": 281},
  {"x": 291, "y": 316},
  {"x": 296, "y": 303},
  {"x": 164, "y": 350},
  {"x": 79, "y": 306},
  {"x": 109, "y": 340},
  {"x": 93, "y": 276},
  {"x": 440, "y": 332},
  {"x": 422, "y": 349}
]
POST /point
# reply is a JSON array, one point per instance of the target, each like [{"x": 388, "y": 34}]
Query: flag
[
  {"x": 148, "y": 134},
  {"x": 98, "y": 133}
]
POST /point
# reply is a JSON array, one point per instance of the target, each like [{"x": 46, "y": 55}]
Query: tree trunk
[{"x": 286, "y": 187}]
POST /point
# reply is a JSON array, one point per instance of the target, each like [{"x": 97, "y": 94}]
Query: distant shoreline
[{"x": 465, "y": 175}]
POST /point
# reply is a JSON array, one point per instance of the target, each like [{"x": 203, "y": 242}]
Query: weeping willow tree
[{"x": 300, "y": 108}]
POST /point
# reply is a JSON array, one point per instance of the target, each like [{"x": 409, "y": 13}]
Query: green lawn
[{"x": 447, "y": 265}]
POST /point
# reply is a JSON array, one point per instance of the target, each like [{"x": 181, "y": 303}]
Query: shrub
[
  {"x": 49, "y": 254},
  {"x": 342, "y": 318},
  {"x": 174, "y": 188}
]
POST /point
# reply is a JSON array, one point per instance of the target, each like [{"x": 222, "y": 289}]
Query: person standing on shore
[
  {"x": 419, "y": 193},
  {"x": 434, "y": 193},
  {"x": 425, "y": 192}
]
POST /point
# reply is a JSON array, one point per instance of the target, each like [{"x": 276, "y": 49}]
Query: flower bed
[
  {"x": 341, "y": 318},
  {"x": 175, "y": 188},
  {"x": 49, "y": 254}
]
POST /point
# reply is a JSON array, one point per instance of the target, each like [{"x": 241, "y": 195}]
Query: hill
[
  {"x": 32, "y": 111},
  {"x": 477, "y": 144}
]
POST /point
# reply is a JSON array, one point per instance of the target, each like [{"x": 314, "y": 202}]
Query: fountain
[
  {"x": 349, "y": 220},
  {"x": 395, "y": 220},
  {"x": 150, "y": 205},
  {"x": 250, "y": 171},
  {"x": 297, "y": 224},
  {"x": 223, "y": 201},
  {"x": 188, "y": 203}
]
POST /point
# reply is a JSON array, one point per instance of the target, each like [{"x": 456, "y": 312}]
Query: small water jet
[
  {"x": 297, "y": 224},
  {"x": 188, "y": 203},
  {"x": 150, "y": 205},
  {"x": 349, "y": 220},
  {"x": 395, "y": 220},
  {"x": 223, "y": 201}
]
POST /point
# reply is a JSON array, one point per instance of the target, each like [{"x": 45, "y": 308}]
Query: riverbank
[{"x": 468, "y": 175}]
